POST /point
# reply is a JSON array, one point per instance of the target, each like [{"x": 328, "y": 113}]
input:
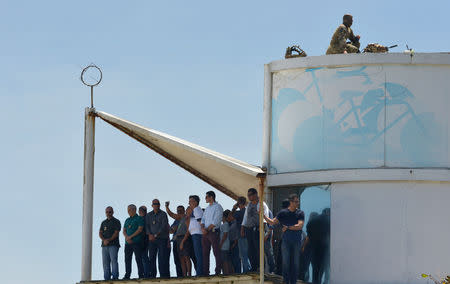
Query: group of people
[{"x": 232, "y": 234}]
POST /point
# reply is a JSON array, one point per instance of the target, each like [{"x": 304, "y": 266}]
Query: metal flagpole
[
  {"x": 88, "y": 194},
  {"x": 91, "y": 80},
  {"x": 261, "y": 230}
]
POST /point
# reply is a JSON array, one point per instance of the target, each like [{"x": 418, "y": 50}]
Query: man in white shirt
[
  {"x": 195, "y": 230},
  {"x": 211, "y": 221},
  {"x": 250, "y": 227}
]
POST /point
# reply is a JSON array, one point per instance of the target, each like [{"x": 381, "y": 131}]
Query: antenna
[{"x": 91, "y": 76}]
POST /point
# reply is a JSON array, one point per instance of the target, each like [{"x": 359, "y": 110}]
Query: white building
[{"x": 368, "y": 136}]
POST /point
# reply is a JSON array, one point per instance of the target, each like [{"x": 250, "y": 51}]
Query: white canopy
[{"x": 230, "y": 176}]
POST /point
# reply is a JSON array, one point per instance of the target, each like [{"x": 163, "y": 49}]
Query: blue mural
[{"x": 350, "y": 118}]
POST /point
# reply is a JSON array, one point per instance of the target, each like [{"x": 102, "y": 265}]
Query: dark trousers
[
  {"x": 318, "y": 261},
  {"x": 145, "y": 261},
  {"x": 211, "y": 239},
  {"x": 305, "y": 261},
  {"x": 235, "y": 259},
  {"x": 252, "y": 235},
  {"x": 159, "y": 247},
  {"x": 290, "y": 250},
  {"x": 135, "y": 248},
  {"x": 176, "y": 259},
  {"x": 278, "y": 257}
]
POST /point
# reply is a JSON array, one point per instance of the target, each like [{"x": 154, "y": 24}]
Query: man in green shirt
[
  {"x": 132, "y": 231},
  {"x": 338, "y": 43},
  {"x": 109, "y": 234}
]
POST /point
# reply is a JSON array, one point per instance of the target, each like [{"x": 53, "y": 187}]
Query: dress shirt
[
  {"x": 213, "y": 215},
  {"x": 194, "y": 224},
  {"x": 157, "y": 224}
]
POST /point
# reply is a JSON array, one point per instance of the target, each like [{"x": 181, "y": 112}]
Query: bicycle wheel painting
[{"x": 355, "y": 117}]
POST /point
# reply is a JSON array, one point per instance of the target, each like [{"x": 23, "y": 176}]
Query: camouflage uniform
[{"x": 339, "y": 43}]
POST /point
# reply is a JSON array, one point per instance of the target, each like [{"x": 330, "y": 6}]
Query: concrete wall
[
  {"x": 389, "y": 232},
  {"x": 360, "y": 116}
]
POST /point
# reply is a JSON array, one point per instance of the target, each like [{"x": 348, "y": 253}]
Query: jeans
[
  {"x": 243, "y": 254},
  {"x": 268, "y": 253},
  {"x": 135, "y": 248},
  {"x": 290, "y": 250},
  {"x": 235, "y": 259},
  {"x": 211, "y": 239},
  {"x": 159, "y": 248},
  {"x": 198, "y": 252},
  {"x": 252, "y": 235},
  {"x": 109, "y": 257}
]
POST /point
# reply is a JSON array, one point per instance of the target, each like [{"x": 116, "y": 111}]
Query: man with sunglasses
[
  {"x": 157, "y": 228},
  {"x": 211, "y": 221},
  {"x": 250, "y": 227},
  {"x": 109, "y": 234}
]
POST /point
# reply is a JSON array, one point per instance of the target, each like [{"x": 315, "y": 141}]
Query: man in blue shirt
[
  {"x": 292, "y": 220},
  {"x": 211, "y": 221},
  {"x": 132, "y": 231}
]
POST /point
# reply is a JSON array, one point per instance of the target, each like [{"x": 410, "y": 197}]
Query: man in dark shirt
[
  {"x": 157, "y": 228},
  {"x": 292, "y": 220},
  {"x": 132, "y": 231},
  {"x": 173, "y": 230},
  {"x": 242, "y": 241},
  {"x": 109, "y": 234},
  {"x": 318, "y": 229},
  {"x": 277, "y": 241},
  {"x": 145, "y": 260},
  {"x": 233, "y": 236}
]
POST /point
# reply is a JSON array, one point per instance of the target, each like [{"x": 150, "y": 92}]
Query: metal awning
[{"x": 229, "y": 175}]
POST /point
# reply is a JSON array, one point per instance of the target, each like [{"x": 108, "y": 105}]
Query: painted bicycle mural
[{"x": 355, "y": 117}]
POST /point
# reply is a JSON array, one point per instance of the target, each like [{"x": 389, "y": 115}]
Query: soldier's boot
[{"x": 350, "y": 48}]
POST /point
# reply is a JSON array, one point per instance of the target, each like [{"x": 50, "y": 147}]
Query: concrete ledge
[
  {"x": 337, "y": 60},
  {"x": 349, "y": 175}
]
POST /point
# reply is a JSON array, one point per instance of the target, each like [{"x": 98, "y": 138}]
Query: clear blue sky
[{"x": 193, "y": 69}]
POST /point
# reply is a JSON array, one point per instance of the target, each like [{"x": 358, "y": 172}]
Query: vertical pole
[
  {"x": 88, "y": 194},
  {"x": 267, "y": 117},
  {"x": 261, "y": 230},
  {"x": 92, "y": 96},
  {"x": 267, "y": 129}
]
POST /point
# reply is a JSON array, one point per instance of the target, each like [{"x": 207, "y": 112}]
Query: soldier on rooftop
[{"x": 338, "y": 43}]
